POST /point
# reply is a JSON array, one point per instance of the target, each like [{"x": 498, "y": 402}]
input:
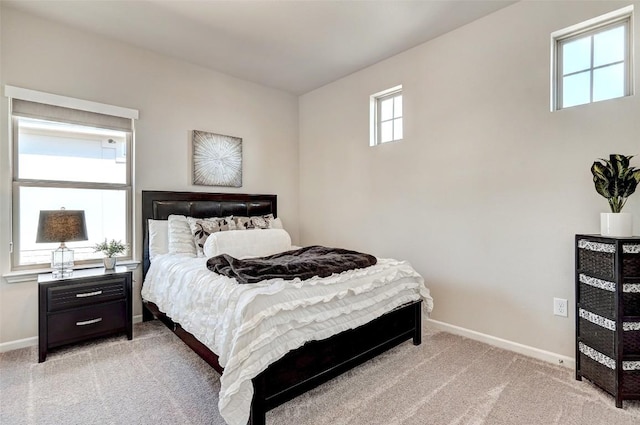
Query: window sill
[{"x": 31, "y": 275}]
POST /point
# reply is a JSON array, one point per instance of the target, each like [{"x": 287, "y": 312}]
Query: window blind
[{"x": 28, "y": 109}]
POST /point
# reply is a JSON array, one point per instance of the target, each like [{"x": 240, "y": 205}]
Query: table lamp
[{"x": 61, "y": 226}]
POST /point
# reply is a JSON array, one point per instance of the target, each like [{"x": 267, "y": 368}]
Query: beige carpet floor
[{"x": 155, "y": 379}]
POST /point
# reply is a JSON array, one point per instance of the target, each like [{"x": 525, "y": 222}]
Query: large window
[
  {"x": 386, "y": 116},
  {"x": 74, "y": 159},
  {"x": 592, "y": 61}
]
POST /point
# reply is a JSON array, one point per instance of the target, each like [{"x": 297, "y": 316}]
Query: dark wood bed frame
[{"x": 301, "y": 369}]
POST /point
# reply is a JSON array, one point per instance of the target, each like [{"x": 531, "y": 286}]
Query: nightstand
[{"x": 91, "y": 303}]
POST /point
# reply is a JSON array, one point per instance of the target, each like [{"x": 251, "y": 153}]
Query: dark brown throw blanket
[{"x": 304, "y": 263}]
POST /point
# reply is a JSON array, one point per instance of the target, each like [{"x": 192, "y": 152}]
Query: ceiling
[{"x": 296, "y": 46}]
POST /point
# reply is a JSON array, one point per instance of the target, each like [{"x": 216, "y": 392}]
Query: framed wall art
[{"x": 217, "y": 159}]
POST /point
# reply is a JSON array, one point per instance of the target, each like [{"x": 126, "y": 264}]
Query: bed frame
[{"x": 301, "y": 369}]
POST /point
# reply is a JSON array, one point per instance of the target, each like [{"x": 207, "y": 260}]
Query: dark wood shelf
[{"x": 603, "y": 345}]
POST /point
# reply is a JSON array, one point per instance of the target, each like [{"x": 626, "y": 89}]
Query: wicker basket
[
  {"x": 599, "y": 338},
  {"x": 598, "y": 301},
  {"x": 598, "y": 373},
  {"x": 631, "y": 303},
  {"x": 631, "y": 342},
  {"x": 631, "y": 382},
  {"x": 595, "y": 263},
  {"x": 631, "y": 265}
]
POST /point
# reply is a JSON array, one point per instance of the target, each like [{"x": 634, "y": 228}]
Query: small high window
[
  {"x": 386, "y": 116},
  {"x": 592, "y": 60}
]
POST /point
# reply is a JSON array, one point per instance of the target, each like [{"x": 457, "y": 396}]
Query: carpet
[{"x": 156, "y": 379}]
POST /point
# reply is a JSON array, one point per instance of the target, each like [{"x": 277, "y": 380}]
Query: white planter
[
  {"x": 109, "y": 263},
  {"x": 616, "y": 224}
]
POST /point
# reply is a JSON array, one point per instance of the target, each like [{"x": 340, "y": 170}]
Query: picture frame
[{"x": 217, "y": 159}]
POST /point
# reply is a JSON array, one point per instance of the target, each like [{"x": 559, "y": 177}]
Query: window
[
  {"x": 79, "y": 160},
  {"x": 386, "y": 116},
  {"x": 592, "y": 60}
]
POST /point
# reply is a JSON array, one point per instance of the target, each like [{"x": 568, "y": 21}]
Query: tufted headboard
[{"x": 158, "y": 205}]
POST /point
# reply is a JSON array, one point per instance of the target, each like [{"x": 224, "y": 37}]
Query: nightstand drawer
[
  {"x": 75, "y": 295},
  {"x": 74, "y": 325}
]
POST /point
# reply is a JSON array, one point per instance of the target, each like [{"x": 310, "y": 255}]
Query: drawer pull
[
  {"x": 88, "y": 294},
  {"x": 89, "y": 322}
]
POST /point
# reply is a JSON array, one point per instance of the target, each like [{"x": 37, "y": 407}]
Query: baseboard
[
  {"x": 526, "y": 350},
  {"x": 28, "y": 342},
  {"x": 20, "y": 343}
]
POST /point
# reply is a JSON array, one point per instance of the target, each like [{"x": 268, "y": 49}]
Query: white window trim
[
  {"x": 591, "y": 25},
  {"x": 30, "y": 275},
  {"x": 20, "y": 273},
  {"x": 373, "y": 113},
  {"x": 69, "y": 102}
]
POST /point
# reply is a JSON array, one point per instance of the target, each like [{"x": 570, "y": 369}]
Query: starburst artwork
[{"x": 217, "y": 159}]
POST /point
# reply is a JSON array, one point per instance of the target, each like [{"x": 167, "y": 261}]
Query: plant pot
[
  {"x": 616, "y": 224},
  {"x": 109, "y": 263}
]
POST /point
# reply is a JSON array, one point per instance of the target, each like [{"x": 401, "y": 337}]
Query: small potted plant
[
  {"x": 110, "y": 249},
  {"x": 615, "y": 180}
]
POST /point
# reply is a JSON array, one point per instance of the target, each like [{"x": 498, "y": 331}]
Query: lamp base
[
  {"x": 59, "y": 274},
  {"x": 62, "y": 262}
]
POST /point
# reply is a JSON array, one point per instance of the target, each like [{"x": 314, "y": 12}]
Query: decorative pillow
[
  {"x": 256, "y": 222},
  {"x": 201, "y": 228},
  {"x": 180, "y": 237},
  {"x": 247, "y": 244},
  {"x": 158, "y": 238}
]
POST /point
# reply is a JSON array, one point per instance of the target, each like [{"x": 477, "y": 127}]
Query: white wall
[
  {"x": 486, "y": 191},
  {"x": 483, "y": 196},
  {"x": 173, "y": 98}
]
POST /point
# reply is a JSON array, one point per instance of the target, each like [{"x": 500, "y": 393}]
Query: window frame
[
  {"x": 375, "y": 115},
  {"x": 17, "y": 183},
  {"x": 622, "y": 17}
]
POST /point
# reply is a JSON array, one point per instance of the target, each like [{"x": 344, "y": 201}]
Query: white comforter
[{"x": 251, "y": 326}]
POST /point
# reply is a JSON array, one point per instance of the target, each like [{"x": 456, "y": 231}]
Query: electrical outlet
[{"x": 560, "y": 307}]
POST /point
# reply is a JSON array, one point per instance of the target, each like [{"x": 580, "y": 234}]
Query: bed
[{"x": 299, "y": 369}]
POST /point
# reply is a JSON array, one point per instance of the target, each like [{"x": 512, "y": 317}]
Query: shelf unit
[{"x": 608, "y": 314}]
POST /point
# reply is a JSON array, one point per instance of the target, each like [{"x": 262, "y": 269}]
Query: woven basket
[
  {"x": 597, "y": 373},
  {"x": 631, "y": 303},
  {"x": 631, "y": 382},
  {"x": 598, "y": 301},
  {"x": 597, "y": 337},
  {"x": 631, "y": 342},
  {"x": 631, "y": 265},
  {"x": 600, "y": 264}
]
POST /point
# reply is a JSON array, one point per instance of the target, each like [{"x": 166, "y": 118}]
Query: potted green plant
[
  {"x": 110, "y": 249},
  {"x": 615, "y": 180}
]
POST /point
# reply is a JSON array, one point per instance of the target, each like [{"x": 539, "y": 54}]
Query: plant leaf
[
  {"x": 602, "y": 187},
  {"x": 615, "y": 180},
  {"x": 601, "y": 171},
  {"x": 630, "y": 185}
]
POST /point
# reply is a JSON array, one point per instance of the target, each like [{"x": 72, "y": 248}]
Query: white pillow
[
  {"x": 158, "y": 238},
  {"x": 180, "y": 237},
  {"x": 247, "y": 243},
  {"x": 276, "y": 223}
]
